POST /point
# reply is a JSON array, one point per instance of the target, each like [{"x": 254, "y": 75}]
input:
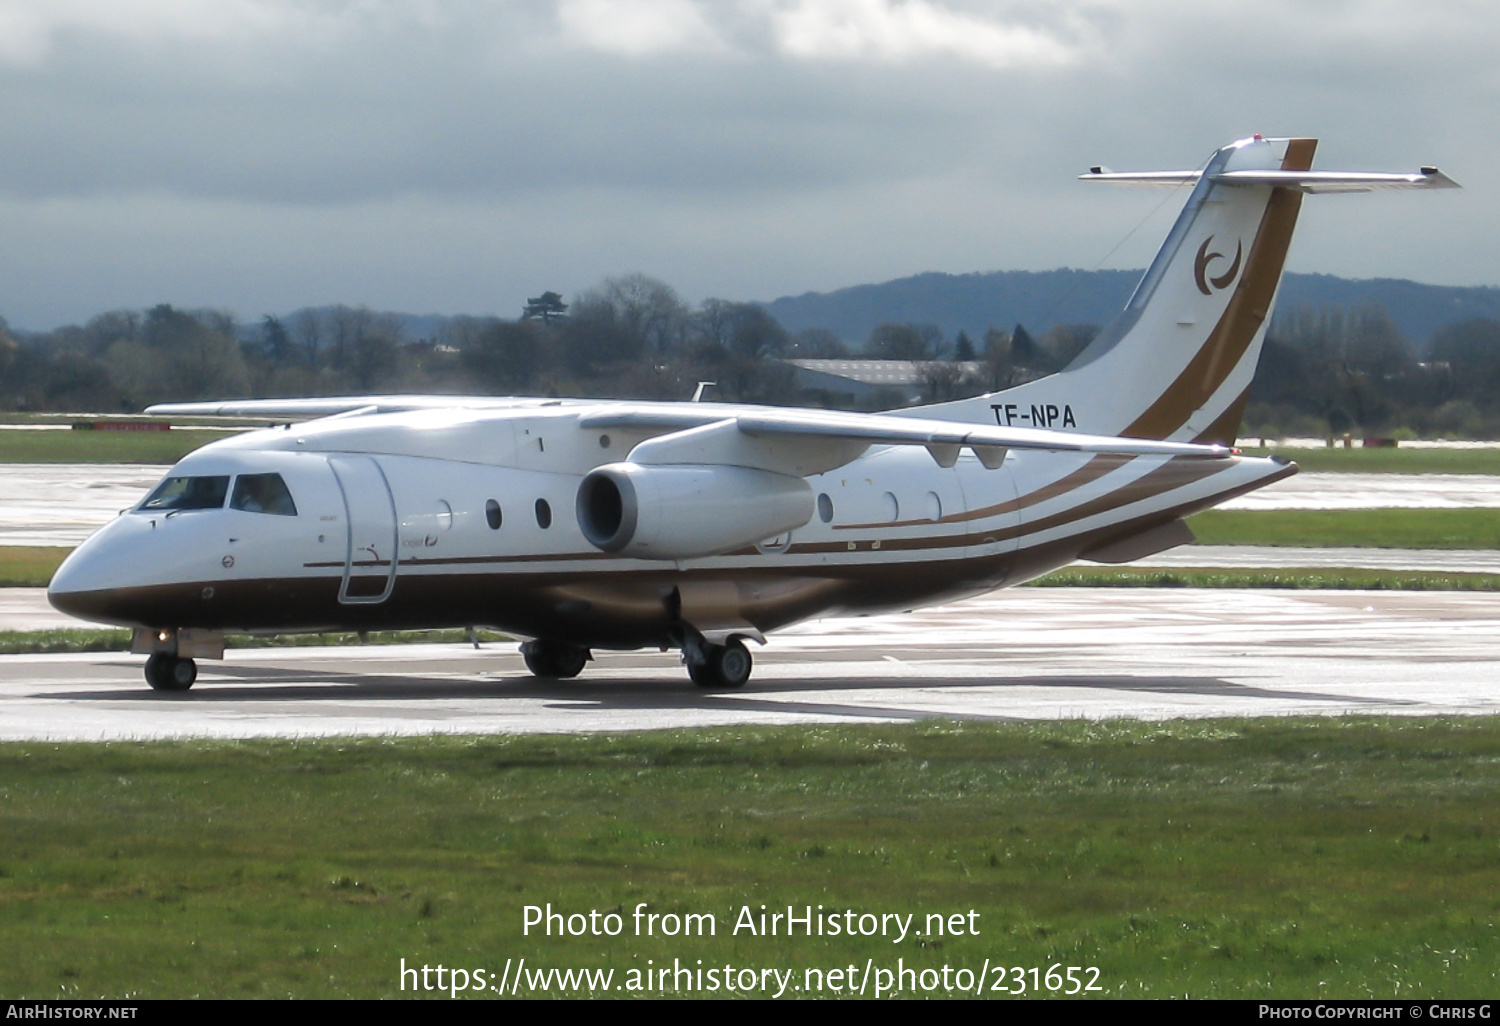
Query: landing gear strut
[
  {"x": 555, "y": 658},
  {"x": 718, "y": 666},
  {"x": 170, "y": 673}
]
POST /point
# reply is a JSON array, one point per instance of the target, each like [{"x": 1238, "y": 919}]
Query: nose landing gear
[
  {"x": 172, "y": 651},
  {"x": 166, "y": 672}
]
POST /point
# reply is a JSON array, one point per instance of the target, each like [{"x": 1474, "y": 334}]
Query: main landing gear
[
  {"x": 718, "y": 666},
  {"x": 555, "y": 659},
  {"x": 709, "y": 665},
  {"x": 170, "y": 673}
]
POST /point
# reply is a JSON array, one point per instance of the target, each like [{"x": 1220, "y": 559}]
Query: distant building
[{"x": 858, "y": 381}]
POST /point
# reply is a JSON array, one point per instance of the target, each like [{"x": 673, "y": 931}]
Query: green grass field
[
  {"x": 165, "y": 447},
  {"x": 1360, "y": 528},
  {"x": 114, "y": 639},
  {"x": 29, "y": 566},
  {"x": 1307, "y": 859},
  {"x": 1335, "y": 578},
  {"x": 1390, "y": 461}
]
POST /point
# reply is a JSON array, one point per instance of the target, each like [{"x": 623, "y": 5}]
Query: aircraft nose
[
  {"x": 79, "y": 589},
  {"x": 91, "y": 582}
]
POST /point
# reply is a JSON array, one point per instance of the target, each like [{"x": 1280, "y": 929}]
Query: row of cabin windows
[
  {"x": 495, "y": 518},
  {"x": 891, "y": 510},
  {"x": 267, "y": 493}
]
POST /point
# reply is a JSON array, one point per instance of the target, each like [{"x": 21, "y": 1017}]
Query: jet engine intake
[{"x": 685, "y": 511}]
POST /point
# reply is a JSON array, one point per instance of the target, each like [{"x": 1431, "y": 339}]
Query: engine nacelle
[{"x": 679, "y": 512}]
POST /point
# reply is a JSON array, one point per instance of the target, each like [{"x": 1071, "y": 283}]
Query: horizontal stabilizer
[
  {"x": 1339, "y": 181},
  {"x": 1299, "y": 181},
  {"x": 1168, "y": 178}
]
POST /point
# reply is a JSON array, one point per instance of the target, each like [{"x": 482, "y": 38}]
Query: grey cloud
[{"x": 494, "y": 153}]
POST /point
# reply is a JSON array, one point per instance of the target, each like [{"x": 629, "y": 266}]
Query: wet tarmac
[
  {"x": 1375, "y": 491},
  {"x": 1019, "y": 654},
  {"x": 64, "y": 503}
]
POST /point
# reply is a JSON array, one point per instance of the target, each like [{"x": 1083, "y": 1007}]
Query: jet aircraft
[{"x": 585, "y": 525}]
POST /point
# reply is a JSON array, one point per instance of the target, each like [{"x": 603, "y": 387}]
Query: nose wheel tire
[
  {"x": 722, "y": 666},
  {"x": 554, "y": 659},
  {"x": 170, "y": 673}
]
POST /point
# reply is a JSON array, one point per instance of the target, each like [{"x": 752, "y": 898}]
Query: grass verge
[
  {"x": 104, "y": 446},
  {"x": 1337, "y": 578},
  {"x": 1358, "y": 528},
  {"x": 29, "y": 566},
  {"x": 84, "y": 639},
  {"x": 1254, "y": 858},
  {"x": 1390, "y": 461}
]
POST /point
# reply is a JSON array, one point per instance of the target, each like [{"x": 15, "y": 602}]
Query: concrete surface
[{"x": 1018, "y": 654}]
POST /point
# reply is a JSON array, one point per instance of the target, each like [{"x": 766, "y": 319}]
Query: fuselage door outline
[{"x": 370, "y": 518}]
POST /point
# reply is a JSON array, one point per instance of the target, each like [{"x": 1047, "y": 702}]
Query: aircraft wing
[
  {"x": 885, "y": 429},
  {"x": 307, "y": 409},
  {"x": 815, "y": 441},
  {"x": 785, "y": 440}
]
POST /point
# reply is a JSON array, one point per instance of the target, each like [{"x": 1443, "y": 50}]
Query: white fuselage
[{"x": 469, "y": 518}]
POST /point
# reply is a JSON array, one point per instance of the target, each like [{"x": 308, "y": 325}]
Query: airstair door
[{"x": 370, "y": 512}]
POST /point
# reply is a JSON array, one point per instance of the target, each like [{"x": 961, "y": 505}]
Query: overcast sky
[{"x": 456, "y": 156}]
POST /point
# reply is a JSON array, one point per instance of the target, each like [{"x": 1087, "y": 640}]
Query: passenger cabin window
[
  {"x": 492, "y": 514},
  {"x": 263, "y": 493},
  {"x": 186, "y": 493}
]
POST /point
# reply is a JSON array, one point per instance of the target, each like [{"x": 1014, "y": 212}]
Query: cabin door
[{"x": 370, "y": 512}]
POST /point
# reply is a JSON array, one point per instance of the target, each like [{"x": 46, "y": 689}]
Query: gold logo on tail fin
[{"x": 1200, "y": 267}]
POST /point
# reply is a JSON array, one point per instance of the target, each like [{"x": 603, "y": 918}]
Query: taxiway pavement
[{"x": 1019, "y": 654}]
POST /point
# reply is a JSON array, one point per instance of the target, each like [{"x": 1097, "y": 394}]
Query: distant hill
[{"x": 1040, "y": 299}]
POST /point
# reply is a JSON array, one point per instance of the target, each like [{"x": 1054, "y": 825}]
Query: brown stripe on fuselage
[
  {"x": 1034, "y": 561},
  {"x": 1242, "y": 318},
  {"x": 1095, "y": 468},
  {"x": 545, "y": 557},
  {"x": 1175, "y": 473},
  {"x": 629, "y": 609}
]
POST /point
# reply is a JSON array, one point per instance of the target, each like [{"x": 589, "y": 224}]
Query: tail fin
[{"x": 1178, "y": 361}]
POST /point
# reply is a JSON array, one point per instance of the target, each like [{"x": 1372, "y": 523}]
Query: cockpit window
[
  {"x": 187, "y": 493},
  {"x": 263, "y": 493}
]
